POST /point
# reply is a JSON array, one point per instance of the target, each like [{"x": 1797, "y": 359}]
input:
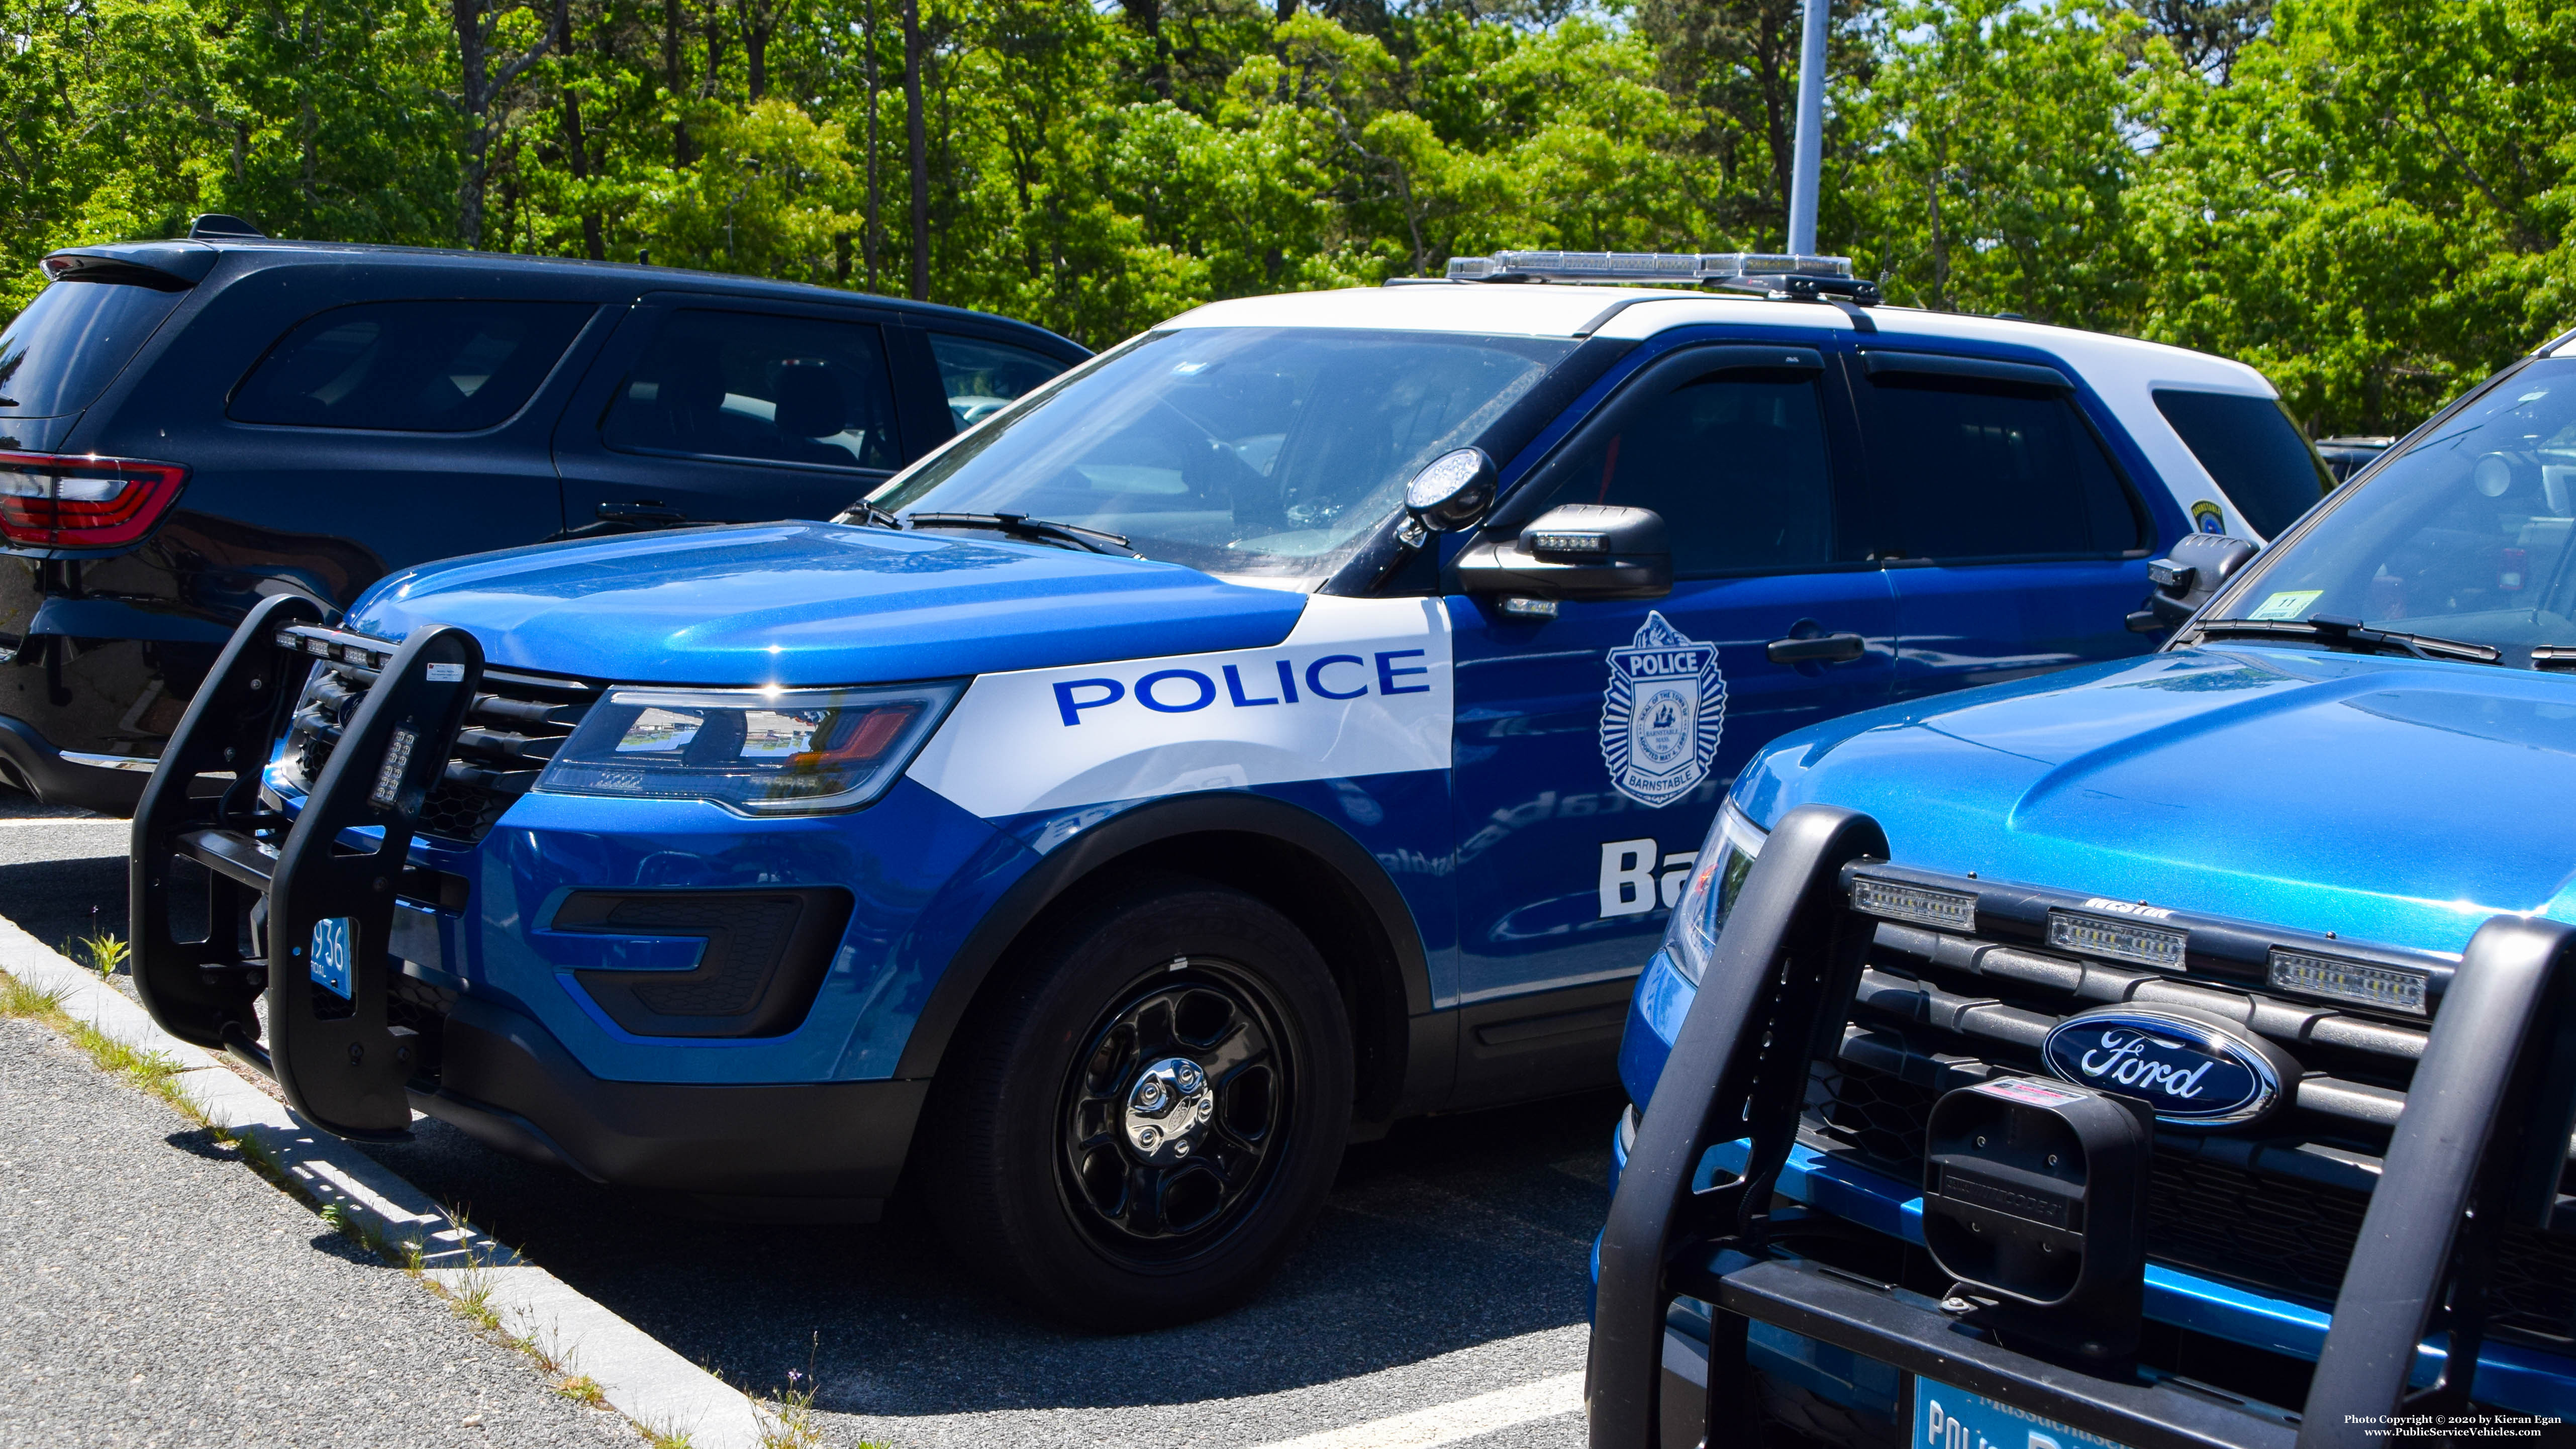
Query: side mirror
[
  {"x": 1450, "y": 493},
  {"x": 1575, "y": 551},
  {"x": 2186, "y": 577}
]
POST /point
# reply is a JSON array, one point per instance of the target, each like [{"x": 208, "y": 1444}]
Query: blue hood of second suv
[
  {"x": 2392, "y": 800},
  {"x": 817, "y": 604}
]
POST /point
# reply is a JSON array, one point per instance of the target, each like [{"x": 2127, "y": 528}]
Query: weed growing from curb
[
  {"x": 105, "y": 952},
  {"x": 584, "y": 1390}
]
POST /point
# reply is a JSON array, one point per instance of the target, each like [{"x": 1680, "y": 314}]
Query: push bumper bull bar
[
  {"x": 2481, "y": 1142},
  {"x": 329, "y": 903}
]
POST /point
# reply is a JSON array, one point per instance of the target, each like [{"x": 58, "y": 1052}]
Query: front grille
[
  {"x": 517, "y": 722},
  {"x": 2276, "y": 1207}
]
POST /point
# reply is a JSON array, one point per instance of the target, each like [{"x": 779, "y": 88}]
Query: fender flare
[{"x": 1228, "y": 813}]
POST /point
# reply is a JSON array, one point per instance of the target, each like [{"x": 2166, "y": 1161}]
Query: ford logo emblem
[{"x": 2195, "y": 1069}]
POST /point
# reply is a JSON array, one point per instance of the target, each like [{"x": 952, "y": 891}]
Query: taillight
[{"x": 53, "y": 501}]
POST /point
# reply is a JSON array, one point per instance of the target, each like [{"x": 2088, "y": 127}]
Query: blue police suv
[
  {"x": 2174, "y": 1050},
  {"x": 1300, "y": 717}
]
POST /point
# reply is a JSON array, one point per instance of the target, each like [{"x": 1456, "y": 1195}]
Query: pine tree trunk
[
  {"x": 682, "y": 152},
  {"x": 920, "y": 139},
  {"x": 872, "y": 242}
]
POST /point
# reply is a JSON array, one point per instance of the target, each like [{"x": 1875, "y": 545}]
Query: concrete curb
[{"x": 648, "y": 1383}]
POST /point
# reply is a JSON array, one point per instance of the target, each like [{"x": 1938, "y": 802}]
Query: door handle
[{"x": 1821, "y": 649}]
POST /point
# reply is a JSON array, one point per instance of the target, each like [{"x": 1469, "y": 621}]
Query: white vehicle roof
[{"x": 2123, "y": 371}]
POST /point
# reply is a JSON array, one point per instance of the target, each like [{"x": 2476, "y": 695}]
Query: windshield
[
  {"x": 2463, "y": 536},
  {"x": 1260, "y": 452}
]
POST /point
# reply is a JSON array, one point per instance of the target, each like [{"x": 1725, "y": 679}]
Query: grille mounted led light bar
[
  {"x": 1900, "y": 902},
  {"x": 2113, "y": 940},
  {"x": 2385, "y": 987},
  {"x": 1766, "y": 272}
]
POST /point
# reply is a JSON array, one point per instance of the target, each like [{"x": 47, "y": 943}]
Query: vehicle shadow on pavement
[
  {"x": 57, "y": 901},
  {"x": 1451, "y": 1233}
]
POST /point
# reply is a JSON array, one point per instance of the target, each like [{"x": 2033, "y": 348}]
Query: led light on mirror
[{"x": 1452, "y": 491}]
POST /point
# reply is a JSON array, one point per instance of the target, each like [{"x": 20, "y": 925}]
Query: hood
[
  {"x": 2392, "y": 800},
  {"x": 818, "y": 604}
]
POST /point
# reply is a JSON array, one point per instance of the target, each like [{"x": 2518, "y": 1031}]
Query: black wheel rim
[{"x": 1153, "y": 1196}]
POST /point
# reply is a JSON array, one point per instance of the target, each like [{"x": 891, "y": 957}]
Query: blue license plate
[
  {"x": 332, "y": 947},
  {"x": 1948, "y": 1418}
]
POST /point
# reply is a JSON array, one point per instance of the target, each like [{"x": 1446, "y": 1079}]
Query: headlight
[
  {"x": 757, "y": 751},
  {"x": 1716, "y": 877}
]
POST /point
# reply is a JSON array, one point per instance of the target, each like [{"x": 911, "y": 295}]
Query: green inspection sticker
[{"x": 2289, "y": 604}]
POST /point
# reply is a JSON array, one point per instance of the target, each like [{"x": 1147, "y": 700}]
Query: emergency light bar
[{"x": 1751, "y": 271}]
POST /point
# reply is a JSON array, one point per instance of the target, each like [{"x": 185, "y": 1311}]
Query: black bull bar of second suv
[
  {"x": 2479, "y": 1145},
  {"x": 340, "y": 1060}
]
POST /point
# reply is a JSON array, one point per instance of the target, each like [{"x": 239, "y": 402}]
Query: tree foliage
[{"x": 2371, "y": 201}]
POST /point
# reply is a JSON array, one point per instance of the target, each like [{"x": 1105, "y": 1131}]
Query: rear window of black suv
[
  {"x": 414, "y": 367},
  {"x": 71, "y": 342}
]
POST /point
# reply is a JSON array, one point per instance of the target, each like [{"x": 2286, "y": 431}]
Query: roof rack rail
[{"x": 1773, "y": 274}]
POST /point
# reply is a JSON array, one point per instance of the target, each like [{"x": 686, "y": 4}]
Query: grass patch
[
  {"x": 584, "y": 1390},
  {"x": 469, "y": 1296},
  {"x": 663, "y": 1434},
  {"x": 545, "y": 1344},
  {"x": 149, "y": 1070},
  {"x": 18, "y": 999}
]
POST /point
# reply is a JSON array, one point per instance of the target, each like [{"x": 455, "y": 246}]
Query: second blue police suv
[
  {"x": 2173, "y": 1050},
  {"x": 1299, "y": 718}
]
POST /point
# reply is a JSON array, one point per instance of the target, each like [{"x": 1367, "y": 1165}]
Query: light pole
[{"x": 1810, "y": 155}]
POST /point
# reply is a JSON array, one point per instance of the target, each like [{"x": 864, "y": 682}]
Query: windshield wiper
[
  {"x": 1020, "y": 525},
  {"x": 2340, "y": 633},
  {"x": 868, "y": 515}
]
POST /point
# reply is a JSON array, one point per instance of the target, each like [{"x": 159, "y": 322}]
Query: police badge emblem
[{"x": 1662, "y": 714}]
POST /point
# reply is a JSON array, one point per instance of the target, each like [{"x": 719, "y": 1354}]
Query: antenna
[{"x": 1810, "y": 155}]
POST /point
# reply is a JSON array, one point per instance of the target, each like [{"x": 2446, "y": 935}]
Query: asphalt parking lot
[{"x": 1441, "y": 1301}]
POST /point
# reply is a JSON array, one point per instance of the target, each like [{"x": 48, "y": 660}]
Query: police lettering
[
  {"x": 1664, "y": 663},
  {"x": 1249, "y": 686}
]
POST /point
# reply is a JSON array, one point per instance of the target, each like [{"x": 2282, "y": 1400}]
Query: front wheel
[{"x": 1145, "y": 1118}]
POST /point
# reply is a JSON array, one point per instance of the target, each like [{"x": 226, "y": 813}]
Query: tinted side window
[
  {"x": 415, "y": 367},
  {"x": 2254, "y": 452},
  {"x": 980, "y": 376},
  {"x": 1735, "y": 462},
  {"x": 1968, "y": 468},
  {"x": 71, "y": 342},
  {"x": 772, "y": 389}
]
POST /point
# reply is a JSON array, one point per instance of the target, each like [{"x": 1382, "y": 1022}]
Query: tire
[{"x": 1083, "y": 1168}]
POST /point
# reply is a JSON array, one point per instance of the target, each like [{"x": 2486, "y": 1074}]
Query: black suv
[{"x": 189, "y": 426}]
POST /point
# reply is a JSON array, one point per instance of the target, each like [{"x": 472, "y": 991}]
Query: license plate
[
  {"x": 1948, "y": 1418},
  {"x": 332, "y": 948}
]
